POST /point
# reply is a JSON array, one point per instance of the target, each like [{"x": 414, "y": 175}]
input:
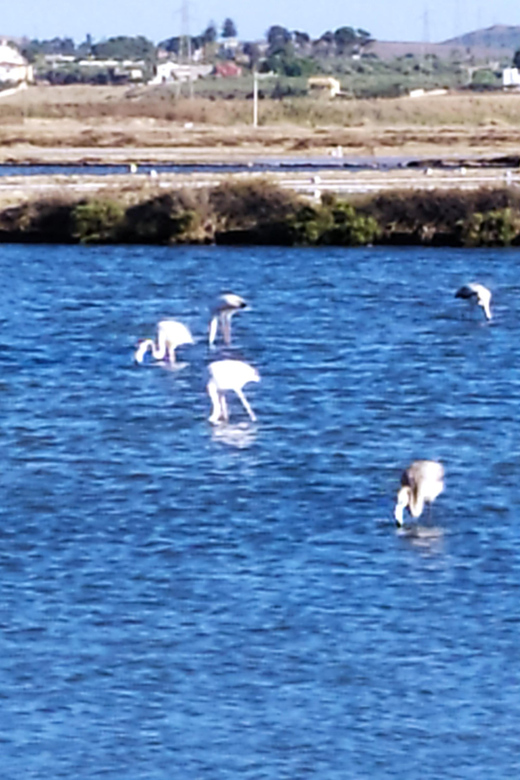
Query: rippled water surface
[
  {"x": 268, "y": 164},
  {"x": 184, "y": 601}
]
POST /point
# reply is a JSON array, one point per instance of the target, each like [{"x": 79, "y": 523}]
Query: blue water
[
  {"x": 50, "y": 169},
  {"x": 179, "y": 601},
  {"x": 272, "y": 164}
]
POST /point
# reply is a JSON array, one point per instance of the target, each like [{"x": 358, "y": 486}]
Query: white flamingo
[
  {"x": 228, "y": 304},
  {"x": 170, "y": 335},
  {"x": 228, "y": 375},
  {"x": 421, "y": 483},
  {"x": 477, "y": 293}
]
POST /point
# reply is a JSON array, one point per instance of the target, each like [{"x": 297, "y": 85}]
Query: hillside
[
  {"x": 491, "y": 43},
  {"x": 446, "y": 51},
  {"x": 499, "y": 37}
]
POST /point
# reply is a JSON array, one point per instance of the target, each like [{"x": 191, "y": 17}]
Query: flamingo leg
[
  {"x": 226, "y": 328},
  {"x": 246, "y": 404},
  {"x": 216, "y": 398},
  {"x": 223, "y": 406}
]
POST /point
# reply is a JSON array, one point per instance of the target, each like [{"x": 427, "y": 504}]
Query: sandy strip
[{"x": 16, "y": 189}]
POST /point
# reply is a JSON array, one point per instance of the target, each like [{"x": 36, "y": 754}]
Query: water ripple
[{"x": 184, "y": 599}]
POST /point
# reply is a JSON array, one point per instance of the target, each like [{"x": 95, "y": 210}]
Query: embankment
[{"x": 258, "y": 211}]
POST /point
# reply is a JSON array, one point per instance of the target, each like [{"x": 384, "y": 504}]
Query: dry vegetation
[
  {"x": 259, "y": 212},
  {"x": 114, "y": 124},
  {"x": 41, "y": 119}
]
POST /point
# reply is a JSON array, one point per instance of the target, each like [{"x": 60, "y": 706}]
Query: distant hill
[
  {"x": 448, "y": 50},
  {"x": 499, "y": 37},
  {"x": 492, "y": 43}
]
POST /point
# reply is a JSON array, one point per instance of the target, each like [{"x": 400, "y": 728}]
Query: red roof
[{"x": 227, "y": 70}]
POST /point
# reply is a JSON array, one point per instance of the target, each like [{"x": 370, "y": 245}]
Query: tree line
[
  {"x": 285, "y": 52},
  {"x": 281, "y": 43},
  {"x": 121, "y": 46}
]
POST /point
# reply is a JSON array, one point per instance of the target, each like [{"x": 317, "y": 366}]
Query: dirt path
[{"x": 16, "y": 189}]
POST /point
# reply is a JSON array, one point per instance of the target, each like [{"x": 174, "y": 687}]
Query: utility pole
[
  {"x": 256, "y": 78},
  {"x": 186, "y": 41},
  {"x": 426, "y": 36},
  {"x": 426, "y": 25},
  {"x": 255, "y": 98}
]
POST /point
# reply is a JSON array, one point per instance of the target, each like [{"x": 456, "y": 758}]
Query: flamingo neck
[
  {"x": 416, "y": 504},
  {"x": 213, "y": 326},
  {"x": 158, "y": 351},
  {"x": 142, "y": 349},
  {"x": 487, "y": 310},
  {"x": 403, "y": 500}
]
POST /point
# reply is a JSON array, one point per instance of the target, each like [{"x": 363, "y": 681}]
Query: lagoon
[{"x": 184, "y": 601}]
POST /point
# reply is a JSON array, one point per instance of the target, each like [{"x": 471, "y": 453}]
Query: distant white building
[
  {"x": 510, "y": 77},
  {"x": 175, "y": 71},
  {"x": 133, "y": 70},
  {"x": 324, "y": 84},
  {"x": 14, "y": 69},
  {"x": 420, "y": 92}
]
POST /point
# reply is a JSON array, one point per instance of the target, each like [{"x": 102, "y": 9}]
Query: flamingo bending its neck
[
  {"x": 478, "y": 294},
  {"x": 421, "y": 483},
  {"x": 228, "y": 375},
  {"x": 228, "y": 304},
  {"x": 170, "y": 335}
]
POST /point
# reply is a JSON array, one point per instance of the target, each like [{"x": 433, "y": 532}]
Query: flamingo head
[{"x": 142, "y": 349}]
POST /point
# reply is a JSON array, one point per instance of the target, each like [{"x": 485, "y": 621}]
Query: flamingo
[
  {"x": 478, "y": 294},
  {"x": 229, "y": 375},
  {"x": 421, "y": 483},
  {"x": 228, "y": 304},
  {"x": 170, "y": 335}
]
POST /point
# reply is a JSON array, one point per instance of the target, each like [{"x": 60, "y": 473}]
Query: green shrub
[
  {"x": 492, "y": 228},
  {"x": 350, "y": 228},
  {"x": 333, "y": 223},
  {"x": 98, "y": 221},
  {"x": 310, "y": 223},
  {"x": 485, "y": 78}
]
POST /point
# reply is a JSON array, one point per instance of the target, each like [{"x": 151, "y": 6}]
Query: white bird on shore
[
  {"x": 421, "y": 483},
  {"x": 477, "y": 293},
  {"x": 170, "y": 335},
  {"x": 228, "y": 304},
  {"x": 228, "y": 375}
]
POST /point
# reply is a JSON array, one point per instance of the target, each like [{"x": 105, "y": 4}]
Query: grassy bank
[
  {"x": 259, "y": 212},
  {"x": 85, "y": 103},
  {"x": 96, "y": 118}
]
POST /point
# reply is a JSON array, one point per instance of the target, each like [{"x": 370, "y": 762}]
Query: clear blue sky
[{"x": 435, "y": 20}]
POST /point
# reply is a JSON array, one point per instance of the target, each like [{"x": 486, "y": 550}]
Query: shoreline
[
  {"x": 426, "y": 210},
  {"x": 269, "y": 151}
]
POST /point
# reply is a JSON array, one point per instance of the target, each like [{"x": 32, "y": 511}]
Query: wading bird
[
  {"x": 421, "y": 483},
  {"x": 477, "y": 293},
  {"x": 170, "y": 335},
  {"x": 228, "y": 304},
  {"x": 228, "y": 375}
]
